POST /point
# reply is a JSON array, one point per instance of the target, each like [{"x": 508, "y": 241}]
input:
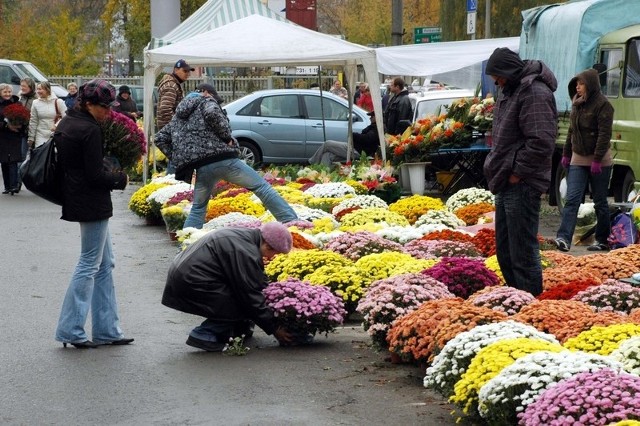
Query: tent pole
[{"x": 324, "y": 127}]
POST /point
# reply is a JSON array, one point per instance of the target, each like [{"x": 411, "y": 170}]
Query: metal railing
[{"x": 229, "y": 87}]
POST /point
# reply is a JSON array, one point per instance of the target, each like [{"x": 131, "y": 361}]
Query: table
[{"x": 467, "y": 163}]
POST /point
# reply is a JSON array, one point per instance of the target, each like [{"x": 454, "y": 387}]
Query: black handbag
[{"x": 41, "y": 173}]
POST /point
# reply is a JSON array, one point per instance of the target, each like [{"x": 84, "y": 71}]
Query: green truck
[{"x": 604, "y": 34}]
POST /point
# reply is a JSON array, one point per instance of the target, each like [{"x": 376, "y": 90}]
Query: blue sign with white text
[{"x": 472, "y": 5}]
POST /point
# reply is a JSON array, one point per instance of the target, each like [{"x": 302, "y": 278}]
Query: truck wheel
[
  {"x": 249, "y": 153},
  {"x": 622, "y": 188},
  {"x": 560, "y": 187}
]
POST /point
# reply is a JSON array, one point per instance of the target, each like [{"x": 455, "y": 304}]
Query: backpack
[
  {"x": 623, "y": 231},
  {"x": 41, "y": 173}
]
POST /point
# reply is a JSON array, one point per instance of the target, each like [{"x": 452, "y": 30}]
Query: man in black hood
[{"x": 518, "y": 168}]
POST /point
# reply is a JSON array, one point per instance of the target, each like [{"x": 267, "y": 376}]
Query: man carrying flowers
[{"x": 221, "y": 277}]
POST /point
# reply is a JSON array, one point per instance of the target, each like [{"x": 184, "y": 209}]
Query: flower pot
[
  {"x": 417, "y": 174},
  {"x": 153, "y": 221},
  {"x": 173, "y": 235},
  {"x": 404, "y": 178},
  {"x": 300, "y": 339}
]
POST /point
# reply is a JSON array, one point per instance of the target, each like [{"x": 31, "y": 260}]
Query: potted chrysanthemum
[{"x": 304, "y": 309}]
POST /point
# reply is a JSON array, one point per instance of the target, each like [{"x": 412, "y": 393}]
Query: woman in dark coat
[
  {"x": 126, "y": 104},
  {"x": 10, "y": 143},
  {"x": 87, "y": 199}
]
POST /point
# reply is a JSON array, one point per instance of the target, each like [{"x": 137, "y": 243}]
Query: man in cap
[
  {"x": 199, "y": 137},
  {"x": 170, "y": 94},
  {"x": 221, "y": 277},
  {"x": 518, "y": 168},
  {"x": 366, "y": 142}
]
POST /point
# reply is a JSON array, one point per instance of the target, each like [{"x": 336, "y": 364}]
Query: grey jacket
[
  {"x": 524, "y": 128},
  {"x": 198, "y": 134},
  {"x": 591, "y": 121}
]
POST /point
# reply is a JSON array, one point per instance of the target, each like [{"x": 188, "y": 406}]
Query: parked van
[
  {"x": 11, "y": 72},
  {"x": 435, "y": 101}
]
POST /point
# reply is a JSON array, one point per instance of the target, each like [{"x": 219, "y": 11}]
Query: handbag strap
[{"x": 55, "y": 103}]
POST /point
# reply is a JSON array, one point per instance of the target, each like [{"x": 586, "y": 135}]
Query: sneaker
[
  {"x": 598, "y": 247},
  {"x": 561, "y": 244},
  {"x": 205, "y": 345}
]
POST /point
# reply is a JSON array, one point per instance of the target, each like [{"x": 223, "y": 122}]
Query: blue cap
[{"x": 184, "y": 65}]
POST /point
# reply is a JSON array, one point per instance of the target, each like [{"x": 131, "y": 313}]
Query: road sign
[
  {"x": 472, "y": 5},
  {"x": 471, "y": 23},
  {"x": 427, "y": 34}
]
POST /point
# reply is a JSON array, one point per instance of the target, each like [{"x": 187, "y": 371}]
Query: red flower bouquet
[{"x": 16, "y": 114}]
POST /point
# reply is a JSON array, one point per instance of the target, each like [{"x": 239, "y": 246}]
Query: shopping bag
[
  {"x": 623, "y": 231},
  {"x": 41, "y": 173}
]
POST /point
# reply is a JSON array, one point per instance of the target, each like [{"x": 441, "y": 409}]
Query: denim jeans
[
  {"x": 517, "y": 246},
  {"x": 239, "y": 173},
  {"x": 217, "y": 331},
  {"x": 91, "y": 287},
  {"x": 577, "y": 179}
]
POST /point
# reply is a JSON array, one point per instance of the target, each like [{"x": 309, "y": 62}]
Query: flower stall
[{"x": 428, "y": 290}]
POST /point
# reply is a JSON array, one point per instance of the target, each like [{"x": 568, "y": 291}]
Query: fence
[{"x": 229, "y": 88}]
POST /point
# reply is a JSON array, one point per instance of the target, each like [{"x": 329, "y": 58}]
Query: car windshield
[
  {"x": 31, "y": 71},
  {"x": 434, "y": 106}
]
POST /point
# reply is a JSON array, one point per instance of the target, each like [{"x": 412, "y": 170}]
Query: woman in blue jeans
[
  {"x": 587, "y": 158},
  {"x": 198, "y": 137},
  {"x": 87, "y": 199}
]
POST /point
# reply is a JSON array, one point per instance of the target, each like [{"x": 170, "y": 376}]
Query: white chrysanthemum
[
  {"x": 228, "y": 219},
  {"x": 455, "y": 357},
  {"x": 363, "y": 201},
  {"x": 190, "y": 235},
  {"x": 628, "y": 353},
  {"x": 303, "y": 213},
  {"x": 330, "y": 190},
  {"x": 468, "y": 196},
  {"x": 519, "y": 384},
  {"x": 164, "y": 194},
  {"x": 440, "y": 217},
  {"x": 170, "y": 179},
  {"x": 323, "y": 237},
  {"x": 400, "y": 234}
]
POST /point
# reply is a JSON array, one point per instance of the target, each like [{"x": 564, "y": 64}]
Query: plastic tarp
[
  {"x": 214, "y": 14},
  {"x": 256, "y": 40},
  {"x": 565, "y": 36},
  {"x": 429, "y": 59}
]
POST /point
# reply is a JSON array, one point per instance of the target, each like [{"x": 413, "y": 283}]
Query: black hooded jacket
[{"x": 525, "y": 123}]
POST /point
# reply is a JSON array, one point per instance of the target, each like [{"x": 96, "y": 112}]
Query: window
[
  {"x": 632, "y": 70},
  {"x": 332, "y": 109},
  {"x": 285, "y": 106},
  {"x": 610, "y": 81},
  {"x": 8, "y": 75}
]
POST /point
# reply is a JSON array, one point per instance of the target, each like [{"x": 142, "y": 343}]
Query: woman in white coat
[{"x": 46, "y": 111}]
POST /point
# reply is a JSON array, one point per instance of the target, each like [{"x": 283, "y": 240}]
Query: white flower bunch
[
  {"x": 454, "y": 359},
  {"x": 628, "y": 353},
  {"x": 586, "y": 214},
  {"x": 519, "y": 384},
  {"x": 164, "y": 194},
  {"x": 363, "y": 201},
  {"x": 323, "y": 237},
  {"x": 440, "y": 217},
  {"x": 400, "y": 234},
  {"x": 330, "y": 190},
  {"x": 228, "y": 219},
  {"x": 303, "y": 213},
  {"x": 170, "y": 179},
  {"x": 468, "y": 196},
  {"x": 190, "y": 235}
]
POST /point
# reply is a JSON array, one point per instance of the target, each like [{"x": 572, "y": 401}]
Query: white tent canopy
[
  {"x": 214, "y": 14},
  {"x": 435, "y": 58},
  {"x": 256, "y": 40}
]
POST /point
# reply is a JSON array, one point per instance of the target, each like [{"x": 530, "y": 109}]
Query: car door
[
  {"x": 336, "y": 123},
  {"x": 278, "y": 120}
]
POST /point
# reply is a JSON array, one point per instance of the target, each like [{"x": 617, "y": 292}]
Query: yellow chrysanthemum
[
  {"x": 492, "y": 264},
  {"x": 299, "y": 264},
  {"x": 602, "y": 340},
  {"x": 415, "y": 206}
]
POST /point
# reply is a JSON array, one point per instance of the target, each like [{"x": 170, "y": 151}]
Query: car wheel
[
  {"x": 249, "y": 153},
  {"x": 623, "y": 186}
]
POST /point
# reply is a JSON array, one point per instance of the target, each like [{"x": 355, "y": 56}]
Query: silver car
[{"x": 288, "y": 125}]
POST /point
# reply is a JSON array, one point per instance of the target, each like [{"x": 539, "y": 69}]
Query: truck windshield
[
  {"x": 31, "y": 71},
  {"x": 632, "y": 71}
]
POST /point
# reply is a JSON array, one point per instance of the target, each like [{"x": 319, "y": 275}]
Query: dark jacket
[
  {"x": 221, "y": 277},
  {"x": 70, "y": 100},
  {"x": 524, "y": 125},
  {"x": 126, "y": 107},
  {"x": 398, "y": 109},
  {"x": 367, "y": 140},
  {"x": 87, "y": 183},
  {"x": 198, "y": 134},
  {"x": 10, "y": 141},
  {"x": 591, "y": 121}
]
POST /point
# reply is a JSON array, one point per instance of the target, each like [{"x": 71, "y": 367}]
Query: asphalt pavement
[{"x": 158, "y": 380}]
